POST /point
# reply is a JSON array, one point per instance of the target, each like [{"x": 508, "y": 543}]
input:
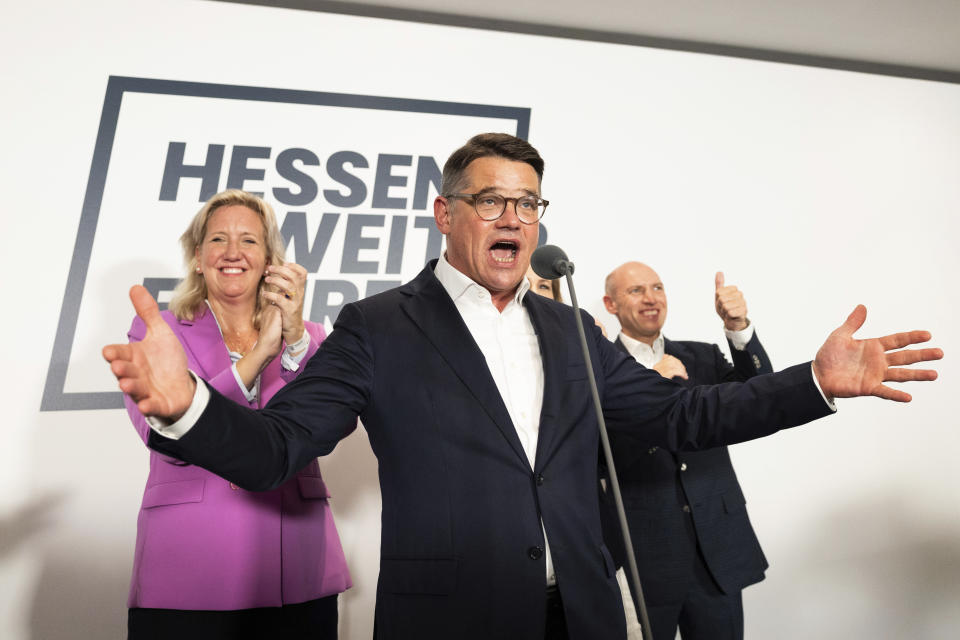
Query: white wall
[{"x": 813, "y": 190}]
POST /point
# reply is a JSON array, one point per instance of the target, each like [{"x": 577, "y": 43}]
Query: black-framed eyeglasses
[{"x": 490, "y": 206}]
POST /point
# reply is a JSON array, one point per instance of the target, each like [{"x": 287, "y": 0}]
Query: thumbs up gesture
[
  {"x": 730, "y": 304},
  {"x": 153, "y": 371}
]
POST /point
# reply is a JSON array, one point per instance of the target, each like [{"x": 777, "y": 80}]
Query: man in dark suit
[
  {"x": 693, "y": 541},
  {"x": 475, "y": 399}
]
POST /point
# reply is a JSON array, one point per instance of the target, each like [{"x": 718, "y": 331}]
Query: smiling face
[
  {"x": 635, "y": 295},
  {"x": 494, "y": 254},
  {"x": 233, "y": 255}
]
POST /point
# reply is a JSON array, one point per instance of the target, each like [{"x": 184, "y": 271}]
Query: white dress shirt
[{"x": 509, "y": 345}]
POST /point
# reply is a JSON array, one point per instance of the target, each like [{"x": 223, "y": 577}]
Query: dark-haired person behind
[
  {"x": 486, "y": 443},
  {"x": 214, "y": 561}
]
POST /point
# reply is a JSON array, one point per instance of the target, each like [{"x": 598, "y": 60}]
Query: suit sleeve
[
  {"x": 317, "y": 334},
  {"x": 664, "y": 413},
  {"x": 750, "y": 361},
  {"x": 259, "y": 450}
]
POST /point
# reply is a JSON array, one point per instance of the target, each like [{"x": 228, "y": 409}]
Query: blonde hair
[
  {"x": 188, "y": 297},
  {"x": 555, "y": 289}
]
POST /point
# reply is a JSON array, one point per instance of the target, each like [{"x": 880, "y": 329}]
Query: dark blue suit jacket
[
  {"x": 461, "y": 539},
  {"x": 677, "y": 501}
]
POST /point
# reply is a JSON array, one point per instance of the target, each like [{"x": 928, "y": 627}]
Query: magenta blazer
[{"x": 204, "y": 543}]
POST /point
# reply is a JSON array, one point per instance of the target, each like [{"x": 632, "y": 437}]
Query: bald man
[{"x": 694, "y": 544}]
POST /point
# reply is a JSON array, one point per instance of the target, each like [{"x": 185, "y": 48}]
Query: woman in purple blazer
[{"x": 213, "y": 560}]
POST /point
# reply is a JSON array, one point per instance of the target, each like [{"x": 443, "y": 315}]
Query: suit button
[
  {"x": 535, "y": 553},
  {"x": 539, "y": 479},
  {"x": 683, "y": 466},
  {"x": 686, "y": 508},
  {"x": 756, "y": 361},
  {"x": 233, "y": 486},
  {"x": 652, "y": 450}
]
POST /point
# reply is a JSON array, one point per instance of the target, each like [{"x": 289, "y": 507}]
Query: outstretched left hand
[{"x": 848, "y": 368}]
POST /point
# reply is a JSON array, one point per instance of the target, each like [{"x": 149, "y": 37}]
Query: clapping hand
[{"x": 290, "y": 279}]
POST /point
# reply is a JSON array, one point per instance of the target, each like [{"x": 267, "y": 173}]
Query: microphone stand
[{"x": 567, "y": 269}]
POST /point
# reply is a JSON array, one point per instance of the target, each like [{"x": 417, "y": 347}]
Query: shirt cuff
[
  {"x": 832, "y": 405},
  {"x": 740, "y": 339},
  {"x": 249, "y": 394},
  {"x": 176, "y": 430},
  {"x": 293, "y": 355}
]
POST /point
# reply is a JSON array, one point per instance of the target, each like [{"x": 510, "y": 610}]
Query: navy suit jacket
[
  {"x": 461, "y": 538},
  {"x": 677, "y": 501}
]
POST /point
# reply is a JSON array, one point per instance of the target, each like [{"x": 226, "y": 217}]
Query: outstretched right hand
[{"x": 153, "y": 372}]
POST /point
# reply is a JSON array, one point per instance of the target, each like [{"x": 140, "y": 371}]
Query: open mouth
[
  {"x": 652, "y": 313},
  {"x": 504, "y": 251},
  {"x": 231, "y": 271}
]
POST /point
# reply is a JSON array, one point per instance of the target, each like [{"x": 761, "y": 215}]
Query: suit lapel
[
  {"x": 202, "y": 338},
  {"x": 675, "y": 349},
  {"x": 681, "y": 353},
  {"x": 618, "y": 343},
  {"x": 553, "y": 352},
  {"x": 431, "y": 309}
]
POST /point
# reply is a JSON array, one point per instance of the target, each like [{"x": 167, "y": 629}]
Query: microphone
[{"x": 550, "y": 262}]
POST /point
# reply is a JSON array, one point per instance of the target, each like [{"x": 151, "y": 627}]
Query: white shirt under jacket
[{"x": 510, "y": 346}]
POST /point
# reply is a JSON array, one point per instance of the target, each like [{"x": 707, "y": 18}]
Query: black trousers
[
  {"x": 704, "y": 612},
  {"x": 556, "y": 628},
  {"x": 315, "y": 619}
]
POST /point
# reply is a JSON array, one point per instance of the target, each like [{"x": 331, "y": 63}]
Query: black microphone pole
[{"x": 549, "y": 261}]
